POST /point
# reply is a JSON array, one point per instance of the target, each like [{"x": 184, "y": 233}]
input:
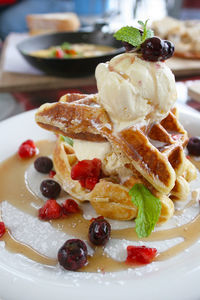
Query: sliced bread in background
[{"x": 53, "y": 22}]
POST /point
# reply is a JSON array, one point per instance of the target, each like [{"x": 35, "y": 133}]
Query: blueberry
[
  {"x": 152, "y": 49},
  {"x": 168, "y": 49},
  {"x": 50, "y": 188},
  {"x": 155, "y": 49},
  {"x": 73, "y": 254},
  {"x": 99, "y": 231},
  {"x": 128, "y": 47},
  {"x": 193, "y": 146},
  {"x": 43, "y": 164}
]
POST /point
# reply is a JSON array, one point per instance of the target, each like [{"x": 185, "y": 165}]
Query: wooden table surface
[
  {"x": 13, "y": 82},
  {"x": 18, "y": 81}
]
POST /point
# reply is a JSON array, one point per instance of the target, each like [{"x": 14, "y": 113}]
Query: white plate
[{"x": 21, "y": 279}]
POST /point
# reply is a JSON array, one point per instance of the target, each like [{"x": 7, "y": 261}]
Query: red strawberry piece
[
  {"x": 86, "y": 168},
  {"x": 97, "y": 167},
  {"x": 82, "y": 182},
  {"x": 52, "y": 173},
  {"x": 50, "y": 210},
  {"x": 87, "y": 172},
  {"x": 98, "y": 218},
  {"x": 140, "y": 254},
  {"x": 30, "y": 143},
  {"x": 69, "y": 207},
  {"x": 2, "y": 229},
  {"x": 90, "y": 182},
  {"x": 27, "y": 149}
]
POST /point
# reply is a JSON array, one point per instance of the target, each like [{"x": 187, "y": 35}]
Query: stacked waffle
[{"x": 149, "y": 154}]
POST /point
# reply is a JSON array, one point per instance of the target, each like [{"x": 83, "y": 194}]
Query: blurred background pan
[{"x": 68, "y": 67}]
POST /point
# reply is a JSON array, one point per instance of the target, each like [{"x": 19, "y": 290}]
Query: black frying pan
[{"x": 68, "y": 67}]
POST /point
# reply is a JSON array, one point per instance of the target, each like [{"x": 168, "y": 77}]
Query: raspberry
[
  {"x": 140, "y": 254},
  {"x": 2, "y": 229},
  {"x": 30, "y": 143},
  {"x": 99, "y": 231},
  {"x": 70, "y": 206},
  {"x": 86, "y": 168},
  {"x": 90, "y": 182},
  {"x": 50, "y": 210},
  {"x": 87, "y": 172},
  {"x": 27, "y": 149},
  {"x": 82, "y": 182},
  {"x": 52, "y": 173}
]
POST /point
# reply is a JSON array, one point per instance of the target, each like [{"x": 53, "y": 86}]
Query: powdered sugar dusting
[{"x": 27, "y": 229}]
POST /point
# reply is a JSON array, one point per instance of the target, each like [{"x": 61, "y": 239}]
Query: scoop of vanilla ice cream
[{"x": 133, "y": 90}]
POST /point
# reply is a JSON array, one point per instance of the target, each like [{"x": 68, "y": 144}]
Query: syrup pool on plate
[{"x": 40, "y": 241}]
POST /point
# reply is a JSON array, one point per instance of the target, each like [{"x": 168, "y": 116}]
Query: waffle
[
  {"x": 109, "y": 198},
  {"x": 153, "y": 155}
]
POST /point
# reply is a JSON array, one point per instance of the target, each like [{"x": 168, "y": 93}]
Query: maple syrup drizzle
[
  {"x": 13, "y": 245},
  {"x": 12, "y": 174}
]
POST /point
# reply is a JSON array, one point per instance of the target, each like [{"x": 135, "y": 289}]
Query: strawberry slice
[
  {"x": 52, "y": 173},
  {"x": 90, "y": 182},
  {"x": 87, "y": 172},
  {"x": 2, "y": 229},
  {"x": 140, "y": 254},
  {"x": 27, "y": 149},
  {"x": 70, "y": 207},
  {"x": 50, "y": 210}
]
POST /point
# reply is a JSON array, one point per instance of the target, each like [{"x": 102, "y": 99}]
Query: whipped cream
[
  {"x": 111, "y": 163},
  {"x": 89, "y": 150}
]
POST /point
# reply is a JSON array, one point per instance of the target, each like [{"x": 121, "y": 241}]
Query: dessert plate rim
[{"x": 176, "y": 278}]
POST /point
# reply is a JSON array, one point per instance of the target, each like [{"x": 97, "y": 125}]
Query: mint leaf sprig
[
  {"x": 67, "y": 140},
  {"x": 133, "y": 35},
  {"x": 149, "y": 209},
  {"x": 147, "y": 33}
]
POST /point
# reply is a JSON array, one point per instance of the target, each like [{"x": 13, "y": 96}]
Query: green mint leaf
[
  {"x": 141, "y": 23},
  {"x": 147, "y": 33},
  {"x": 130, "y": 35},
  {"x": 67, "y": 139},
  {"x": 150, "y": 33},
  {"x": 149, "y": 208},
  {"x": 144, "y": 35}
]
